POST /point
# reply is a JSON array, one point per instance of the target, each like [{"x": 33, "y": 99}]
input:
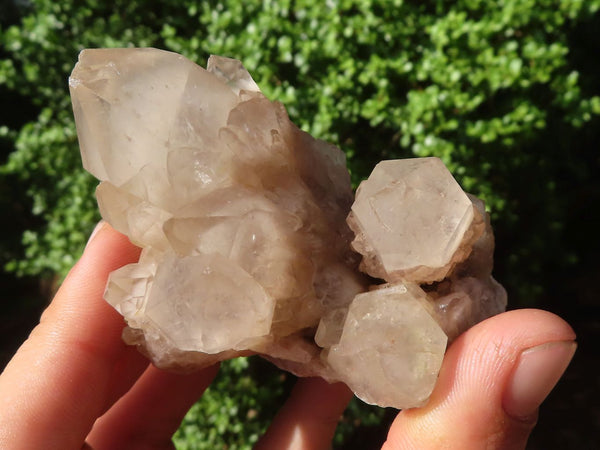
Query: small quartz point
[{"x": 246, "y": 247}]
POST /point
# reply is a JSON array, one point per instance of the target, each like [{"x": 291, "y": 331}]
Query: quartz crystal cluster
[{"x": 251, "y": 240}]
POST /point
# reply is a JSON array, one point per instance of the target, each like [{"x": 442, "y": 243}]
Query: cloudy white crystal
[
  {"x": 413, "y": 221},
  {"x": 389, "y": 335},
  {"x": 246, "y": 249}
]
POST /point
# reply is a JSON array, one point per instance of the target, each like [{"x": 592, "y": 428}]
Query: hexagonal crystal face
[
  {"x": 214, "y": 305},
  {"x": 391, "y": 349},
  {"x": 411, "y": 218}
]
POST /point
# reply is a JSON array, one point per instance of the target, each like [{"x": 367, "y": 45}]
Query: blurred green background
[{"x": 506, "y": 92}]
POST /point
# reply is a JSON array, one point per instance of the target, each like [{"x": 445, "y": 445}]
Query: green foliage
[
  {"x": 505, "y": 92},
  {"x": 234, "y": 411},
  {"x": 478, "y": 84}
]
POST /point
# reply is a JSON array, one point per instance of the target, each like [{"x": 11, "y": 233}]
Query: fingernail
[
  {"x": 97, "y": 228},
  {"x": 537, "y": 371}
]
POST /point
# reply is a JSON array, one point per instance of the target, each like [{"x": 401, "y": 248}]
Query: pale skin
[{"x": 74, "y": 384}]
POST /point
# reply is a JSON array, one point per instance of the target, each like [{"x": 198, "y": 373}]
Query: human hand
[
  {"x": 74, "y": 383},
  {"x": 493, "y": 379}
]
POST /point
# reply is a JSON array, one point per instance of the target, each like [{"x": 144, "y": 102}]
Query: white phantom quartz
[{"x": 246, "y": 248}]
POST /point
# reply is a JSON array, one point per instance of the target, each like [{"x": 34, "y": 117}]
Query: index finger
[{"x": 57, "y": 384}]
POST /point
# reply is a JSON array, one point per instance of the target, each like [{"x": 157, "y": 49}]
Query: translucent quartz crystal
[
  {"x": 389, "y": 334},
  {"x": 413, "y": 222},
  {"x": 418, "y": 220},
  {"x": 246, "y": 248}
]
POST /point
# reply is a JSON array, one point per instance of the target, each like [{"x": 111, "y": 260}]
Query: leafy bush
[
  {"x": 235, "y": 409},
  {"x": 504, "y": 92}
]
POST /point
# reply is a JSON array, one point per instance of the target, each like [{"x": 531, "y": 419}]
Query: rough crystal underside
[{"x": 246, "y": 249}]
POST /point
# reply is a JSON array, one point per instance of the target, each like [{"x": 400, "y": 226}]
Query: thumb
[{"x": 493, "y": 379}]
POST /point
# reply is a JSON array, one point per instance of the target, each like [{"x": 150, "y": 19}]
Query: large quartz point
[{"x": 246, "y": 249}]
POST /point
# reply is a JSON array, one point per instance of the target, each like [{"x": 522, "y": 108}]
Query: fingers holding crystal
[
  {"x": 150, "y": 413},
  {"x": 507, "y": 363},
  {"x": 61, "y": 379},
  {"x": 308, "y": 419}
]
